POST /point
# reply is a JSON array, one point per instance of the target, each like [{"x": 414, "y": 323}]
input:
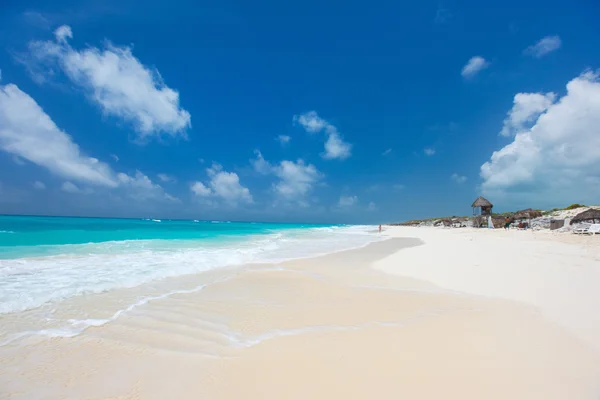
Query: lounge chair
[
  {"x": 591, "y": 229},
  {"x": 595, "y": 228}
]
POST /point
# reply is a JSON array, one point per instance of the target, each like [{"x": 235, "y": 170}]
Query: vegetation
[{"x": 573, "y": 206}]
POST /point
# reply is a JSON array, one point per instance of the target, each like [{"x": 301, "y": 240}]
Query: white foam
[
  {"x": 77, "y": 326},
  {"x": 28, "y": 283}
]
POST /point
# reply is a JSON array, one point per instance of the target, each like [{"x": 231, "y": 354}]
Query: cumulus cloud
[
  {"x": 283, "y": 140},
  {"x": 296, "y": 179},
  {"x": 260, "y": 165},
  {"x": 39, "y": 185},
  {"x": 117, "y": 82},
  {"x": 335, "y": 146},
  {"x": 545, "y": 46},
  {"x": 429, "y": 151},
  {"x": 458, "y": 178},
  {"x": 347, "y": 201},
  {"x": 223, "y": 185},
  {"x": 200, "y": 190},
  {"x": 474, "y": 66},
  {"x": 556, "y": 160},
  {"x": 63, "y": 33},
  {"x": 27, "y": 132},
  {"x": 526, "y": 109},
  {"x": 166, "y": 178}
]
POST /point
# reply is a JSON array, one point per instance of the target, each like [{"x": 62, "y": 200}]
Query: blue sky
[{"x": 289, "y": 111}]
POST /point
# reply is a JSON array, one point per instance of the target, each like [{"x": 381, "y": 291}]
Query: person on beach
[
  {"x": 379, "y": 228},
  {"x": 507, "y": 223}
]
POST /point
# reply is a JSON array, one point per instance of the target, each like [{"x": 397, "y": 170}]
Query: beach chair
[
  {"x": 594, "y": 228},
  {"x": 584, "y": 229}
]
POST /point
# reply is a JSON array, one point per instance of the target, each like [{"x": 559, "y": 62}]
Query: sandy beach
[{"x": 427, "y": 314}]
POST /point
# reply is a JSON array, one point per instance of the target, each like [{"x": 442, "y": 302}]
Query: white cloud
[
  {"x": 526, "y": 109},
  {"x": 39, "y": 185},
  {"x": 335, "y": 147},
  {"x": 283, "y": 140},
  {"x": 222, "y": 184},
  {"x": 115, "y": 157},
  {"x": 260, "y": 165},
  {"x": 63, "y": 33},
  {"x": 474, "y": 66},
  {"x": 118, "y": 82},
  {"x": 70, "y": 187},
  {"x": 372, "y": 206},
  {"x": 546, "y": 45},
  {"x": 347, "y": 201},
  {"x": 296, "y": 179},
  {"x": 557, "y": 160},
  {"x": 140, "y": 187},
  {"x": 28, "y": 132},
  {"x": 199, "y": 189},
  {"x": 166, "y": 178},
  {"x": 458, "y": 178},
  {"x": 385, "y": 153},
  {"x": 429, "y": 151},
  {"x": 311, "y": 122}
]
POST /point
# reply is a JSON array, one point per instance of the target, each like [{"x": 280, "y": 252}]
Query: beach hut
[
  {"x": 482, "y": 209},
  {"x": 527, "y": 214},
  {"x": 592, "y": 215}
]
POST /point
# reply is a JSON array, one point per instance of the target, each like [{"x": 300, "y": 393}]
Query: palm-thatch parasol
[
  {"x": 592, "y": 214},
  {"x": 527, "y": 214},
  {"x": 482, "y": 202}
]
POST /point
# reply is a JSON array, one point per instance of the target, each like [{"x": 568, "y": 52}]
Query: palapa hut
[
  {"x": 482, "y": 208},
  {"x": 591, "y": 215},
  {"x": 526, "y": 214}
]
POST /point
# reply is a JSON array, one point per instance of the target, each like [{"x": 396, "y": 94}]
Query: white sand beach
[{"x": 428, "y": 314}]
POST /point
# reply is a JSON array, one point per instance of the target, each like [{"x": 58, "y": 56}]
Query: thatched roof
[
  {"x": 592, "y": 213},
  {"x": 481, "y": 202},
  {"x": 527, "y": 214}
]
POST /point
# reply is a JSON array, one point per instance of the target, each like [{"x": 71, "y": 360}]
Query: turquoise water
[
  {"x": 29, "y": 236},
  {"x": 46, "y": 260}
]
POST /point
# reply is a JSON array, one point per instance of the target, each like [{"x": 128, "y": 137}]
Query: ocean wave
[
  {"x": 28, "y": 283},
  {"x": 7, "y": 232}
]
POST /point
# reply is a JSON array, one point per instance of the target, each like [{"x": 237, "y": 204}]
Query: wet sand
[{"x": 321, "y": 328}]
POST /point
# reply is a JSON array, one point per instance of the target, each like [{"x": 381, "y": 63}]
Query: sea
[{"x": 49, "y": 266}]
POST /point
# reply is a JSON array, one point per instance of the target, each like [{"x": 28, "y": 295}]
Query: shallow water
[{"x": 49, "y": 266}]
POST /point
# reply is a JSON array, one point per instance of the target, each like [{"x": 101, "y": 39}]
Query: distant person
[
  {"x": 379, "y": 228},
  {"x": 507, "y": 223}
]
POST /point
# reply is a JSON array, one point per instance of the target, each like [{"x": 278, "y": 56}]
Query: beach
[{"x": 419, "y": 313}]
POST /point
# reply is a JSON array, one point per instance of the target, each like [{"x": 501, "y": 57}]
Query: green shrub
[{"x": 573, "y": 206}]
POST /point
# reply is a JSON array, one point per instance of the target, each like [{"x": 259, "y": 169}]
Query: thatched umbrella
[
  {"x": 527, "y": 214},
  {"x": 592, "y": 214},
  {"x": 482, "y": 202}
]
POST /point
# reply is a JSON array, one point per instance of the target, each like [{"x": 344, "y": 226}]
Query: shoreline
[{"x": 326, "y": 327}]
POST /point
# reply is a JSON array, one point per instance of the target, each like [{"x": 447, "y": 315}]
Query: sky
[{"x": 327, "y": 112}]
